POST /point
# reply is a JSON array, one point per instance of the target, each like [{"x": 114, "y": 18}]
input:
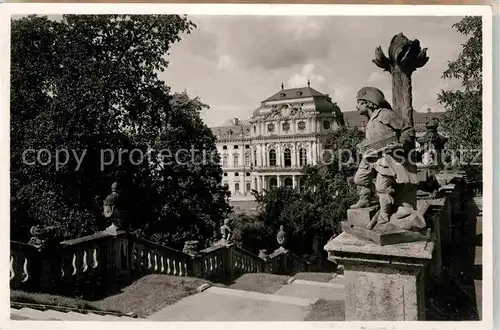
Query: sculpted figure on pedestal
[{"x": 385, "y": 151}]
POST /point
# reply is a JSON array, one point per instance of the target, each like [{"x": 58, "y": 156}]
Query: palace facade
[
  {"x": 270, "y": 149},
  {"x": 282, "y": 135}
]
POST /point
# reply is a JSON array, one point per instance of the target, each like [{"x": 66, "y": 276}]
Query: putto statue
[
  {"x": 432, "y": 144},
  {"x": 226, "y": 232},
  {"x": 281, "y": 237},
  {"x": 112, "y": 206},
  {"x": 386, "y": 160}
]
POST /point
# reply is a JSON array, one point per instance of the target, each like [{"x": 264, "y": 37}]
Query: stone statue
[
  {"x": 40, "y": 235},
  {"x": 112, "y": 206},
  {"x": 226, "y": 232},
  {"x": 432, "y": 144},
  {"x": 281, "y": 237},
  {"x": 385, "y": 159}
]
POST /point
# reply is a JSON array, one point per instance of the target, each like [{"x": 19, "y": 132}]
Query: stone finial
[
  {"x": 40, "y": 235},
  {"x": 191, "y": 247},
  {"x": 263, "y": 254}
]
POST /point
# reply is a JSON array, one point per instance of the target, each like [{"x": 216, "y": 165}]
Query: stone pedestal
[{"x": 382, "y": 283}]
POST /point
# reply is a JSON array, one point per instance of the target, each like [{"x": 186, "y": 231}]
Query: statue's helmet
[{"x": 373, "y": 95}]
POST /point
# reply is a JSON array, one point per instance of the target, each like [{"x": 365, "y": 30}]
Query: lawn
[
  {"x": 260, "y": 282},
  {"x": 143, "y": 297}
]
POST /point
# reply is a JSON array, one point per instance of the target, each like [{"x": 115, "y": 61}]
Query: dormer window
[
  {"x": 299, "y": 93},
  {"x": 326, "y": 124},
  {"x": 282, "y": 94},
  {"x": 270, "y": 127},
  {"x": 301, "y": 125},
  {"x": 286, "y": 127}
]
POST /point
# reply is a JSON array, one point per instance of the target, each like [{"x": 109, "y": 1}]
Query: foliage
[
  {"x": 462, "y": 121},
  {"x": 89, "y": 84},
  {"x": 313, "y": 214}
]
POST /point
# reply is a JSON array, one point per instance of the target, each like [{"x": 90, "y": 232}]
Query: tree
[
  {"x": 462, "y": 121},
  {"x": 89, "y": 85},
  {"x": 311, "y": 216}
]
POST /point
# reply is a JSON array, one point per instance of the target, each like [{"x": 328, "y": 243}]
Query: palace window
[
  {"x": 248, "y": 174},
  {"x": 286, "y": 127},
  {"x": 225, "y": 174},
  {"x": 247, "y": 160},
  {"x": 301, "y": 125},
  {"x": 288, "y": 158},
  {"x": 235, "y": 146},
  {"x": 288, "y": 183},
  {"x": 326, "y": 124},
  {"x": 225, "y": 184},
  {"x": 247, "y": 146},
  {"x": 273, "y": 183},
  {"x": 272, "y": 157},
  {"x": 224, "y": 161},
  {"x": 236, "y": 160},
  {"x": 270, "y": 127},
  {"x": 236, "y": 174},
  {"x": 302, "y": 157},
  {"x": 224, "y": 147},
  {"x": 237, "y": 188},
  {"x": 249, "y": 186}
]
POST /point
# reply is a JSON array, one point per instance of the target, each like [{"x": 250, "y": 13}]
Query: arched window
[
  {"x": 272, "y": 157},
  {"x": 247, "y": 160},
  {"x": 288, "y": 157},
  {"x": 288, "y": 183},
  {"x": 236, "y": 160},
  {"x": 224, "y": 161},
  {"x": 302, "y": 157},
  {"x": 273, "y": 183}
]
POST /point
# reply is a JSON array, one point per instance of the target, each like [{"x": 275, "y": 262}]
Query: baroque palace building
[{"x": 283, "y": 134}]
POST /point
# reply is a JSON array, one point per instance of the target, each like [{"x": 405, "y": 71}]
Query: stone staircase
[
  {"x": 292, "y": 302},
  {"x": 27, "y": 313}
]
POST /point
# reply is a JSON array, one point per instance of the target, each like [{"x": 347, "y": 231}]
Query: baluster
[
  {"x": 156, "y": 262},
  {"x": 180, "y": 268},
  {"x": 162, "y": 264},
  {"x": 168, "y": 266},
  {"x": 84, "y": 261},
  {"x": 216, "y": 262},
  {"x": 94, "y": 256},
  {"x": 141, "y": 257},
  {"x": 25, "y": 270},
  {"x": 149, "y": 259},
  {"x": 205, "y": 264},
  {"x": 185, "y": 269},
  {"x": 12, "y": 273},
  {"x": 174, "y": 266},
  {"x": 73, "y": 263}
]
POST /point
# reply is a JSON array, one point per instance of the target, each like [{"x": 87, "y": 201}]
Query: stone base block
[
  {"x": 385, "y": 234},
  {"x": 361, "y": 217}
]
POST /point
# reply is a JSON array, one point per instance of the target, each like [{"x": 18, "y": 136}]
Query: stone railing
[
  {"x": 24, "y": 265},
  {"x": 106, "y": 258}
]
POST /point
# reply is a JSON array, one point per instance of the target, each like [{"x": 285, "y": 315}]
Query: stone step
[
  {"x": 50, "y": 314},
  {"x": 333, "y": 285},
  {"x": 221, "y": 306},
  {"x": 32, "y": 314},
  {"x": 338, "y": 279},
  {"x": 283, "y": 299},
  {"x": 313, "y": 290}
]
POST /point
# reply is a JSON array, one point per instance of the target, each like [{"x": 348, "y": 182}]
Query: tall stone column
[
  {"x": 294, "y": 184},
  {"x": 278, "y": 179}
]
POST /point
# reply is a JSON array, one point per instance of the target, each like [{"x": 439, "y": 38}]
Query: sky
[{"x": 232, "y": 63}]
